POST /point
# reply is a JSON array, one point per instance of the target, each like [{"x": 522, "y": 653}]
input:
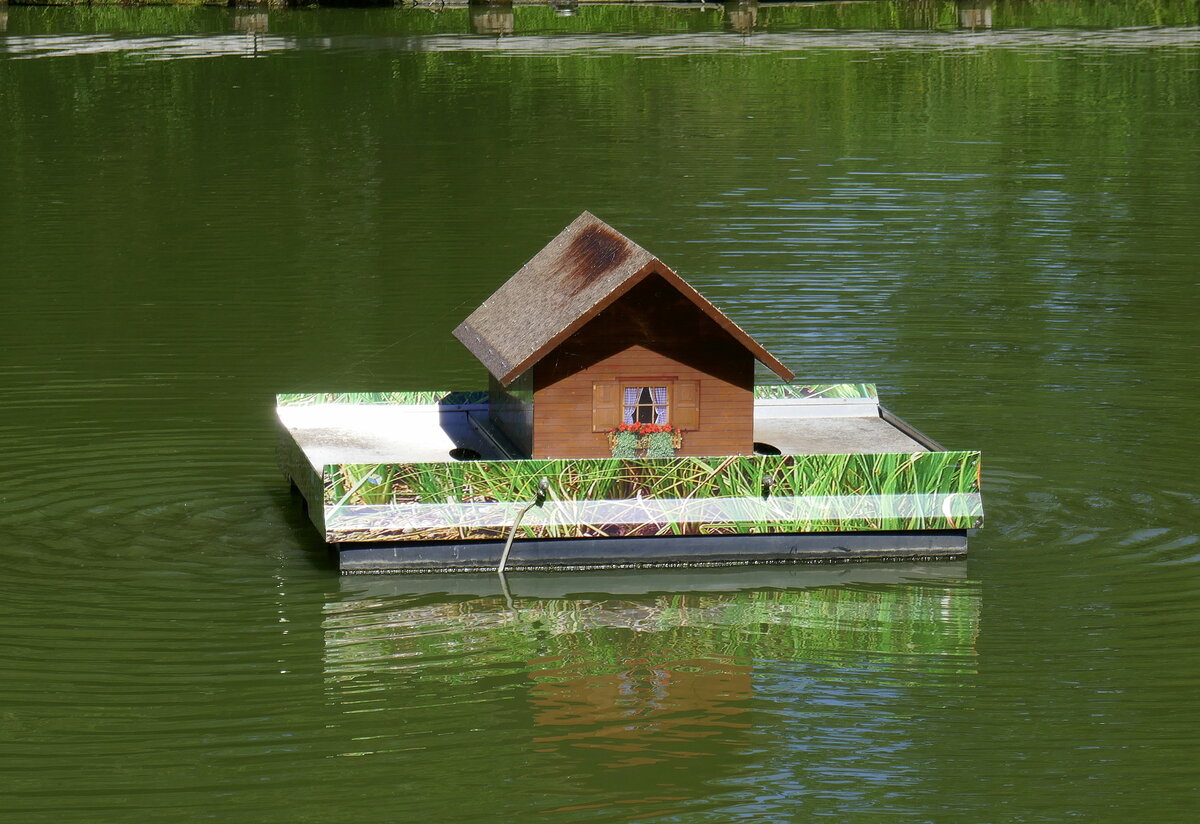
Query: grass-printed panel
[
  {"x": 478, "y": 500},
  {"x": 417, "y": 398},
  {"x": 841, "y": 391},
  {"x": 814, "y": 391}
]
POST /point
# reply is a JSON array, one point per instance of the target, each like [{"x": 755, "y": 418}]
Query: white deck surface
[
  {"x": 833, "y": 435},
  {"x": 348, "y": 433}
]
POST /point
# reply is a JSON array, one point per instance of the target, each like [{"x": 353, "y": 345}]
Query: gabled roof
[{"x": 579, "y": 273}]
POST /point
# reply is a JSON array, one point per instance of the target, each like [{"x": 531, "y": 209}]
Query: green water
[{"x": 999, "y": 226}]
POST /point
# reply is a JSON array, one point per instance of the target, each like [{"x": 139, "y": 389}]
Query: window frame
[
  {"x": 683, "y": 401},
  {"x": 667, "y": 384}
]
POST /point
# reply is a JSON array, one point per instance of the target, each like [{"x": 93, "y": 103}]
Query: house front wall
[
  {"x": 651, "y": 337},
  {"x": 566, "y": 424}
]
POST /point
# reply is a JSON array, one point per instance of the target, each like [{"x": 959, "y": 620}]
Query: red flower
[{"x": 644, "y": 428}]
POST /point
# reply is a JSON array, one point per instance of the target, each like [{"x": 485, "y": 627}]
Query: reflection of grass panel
[{"x": 573, "y": 639}]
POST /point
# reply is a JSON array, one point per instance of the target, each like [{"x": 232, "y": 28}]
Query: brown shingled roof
[{"x": 579, "y": 273}]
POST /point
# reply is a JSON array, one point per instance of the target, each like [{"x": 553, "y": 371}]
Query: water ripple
[{"x": 660, "y": 45}]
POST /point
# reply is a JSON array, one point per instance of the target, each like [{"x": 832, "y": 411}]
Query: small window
[
  {"x": 646, "y": 404},
  {"x": 656, "y": 400}
]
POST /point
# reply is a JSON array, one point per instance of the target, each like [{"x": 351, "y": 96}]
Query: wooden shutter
[
  {"x": 685, "y": 410},
  {"x": 606, "y": 405}
]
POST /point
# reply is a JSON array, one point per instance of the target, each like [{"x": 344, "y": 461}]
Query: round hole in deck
[
  {"x": 766, "y": 449},
  {"x": 463, "y": 454}
]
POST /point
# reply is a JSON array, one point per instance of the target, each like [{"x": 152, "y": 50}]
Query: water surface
[{"x": 205, "y": 207}]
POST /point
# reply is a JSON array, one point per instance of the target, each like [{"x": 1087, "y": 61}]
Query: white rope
[{"x": 538, "y": 500}]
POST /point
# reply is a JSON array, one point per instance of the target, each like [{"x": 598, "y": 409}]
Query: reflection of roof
[{"x": 579, "y": 273}]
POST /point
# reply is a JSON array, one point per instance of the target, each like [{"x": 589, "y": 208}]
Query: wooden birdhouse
[{"x": 595, "y": 332}]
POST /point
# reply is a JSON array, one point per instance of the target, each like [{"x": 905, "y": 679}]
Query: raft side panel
[
  {"x": 643, "y": 581},
  {"x": 376, "y": 468},
  {"x": 307, "y": 479},
  {"x": 584, "y": 553},
  {"x": 568, "y": 515}
]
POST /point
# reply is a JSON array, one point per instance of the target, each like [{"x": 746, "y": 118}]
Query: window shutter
[
  {"x": 606, "y": 405},
  {"x": 686, "y": 411}
]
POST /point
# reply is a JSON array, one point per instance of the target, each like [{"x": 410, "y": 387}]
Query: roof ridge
[{"x": 581, "y": 271}]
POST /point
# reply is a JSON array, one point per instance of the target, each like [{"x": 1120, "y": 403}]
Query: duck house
[{"x": 595, "y": 332}]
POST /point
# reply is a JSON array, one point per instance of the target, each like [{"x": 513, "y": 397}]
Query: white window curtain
[
  {"x": 660, "y": 404},
  {"x": 631, "y": 399}
]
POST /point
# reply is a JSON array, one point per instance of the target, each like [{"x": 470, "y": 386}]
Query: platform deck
[
  {"x": 330, "y": 434},
  {"x": 414, "y": 516}
]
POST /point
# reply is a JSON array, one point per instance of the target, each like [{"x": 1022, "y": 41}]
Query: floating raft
[{"x": 424, "y": 482}]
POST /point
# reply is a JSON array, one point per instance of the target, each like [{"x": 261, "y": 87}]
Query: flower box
[{"x": 644, "y": 440}]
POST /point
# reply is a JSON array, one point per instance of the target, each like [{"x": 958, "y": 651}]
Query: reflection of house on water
[
  {"x": 741, "y": 15},
  {"x": 250, "y": 21},
  {"x": 650, "y": 675},
  {"x": 656, "y": 707},
  {"x": 975, "y": 14},
  {"x": 492, "y": 18}
]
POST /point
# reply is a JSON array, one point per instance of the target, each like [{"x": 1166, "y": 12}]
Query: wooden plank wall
[
  {"x": 563, "y": 411},
  {"x": 651, "y": 332}
]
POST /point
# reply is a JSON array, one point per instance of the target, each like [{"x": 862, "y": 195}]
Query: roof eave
[
  {"x": 654, "y": 266},
  {"x": 721, "y": 319},
  {"x": 485, "y": 353},
  {"x": 580, "y": 322}
]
